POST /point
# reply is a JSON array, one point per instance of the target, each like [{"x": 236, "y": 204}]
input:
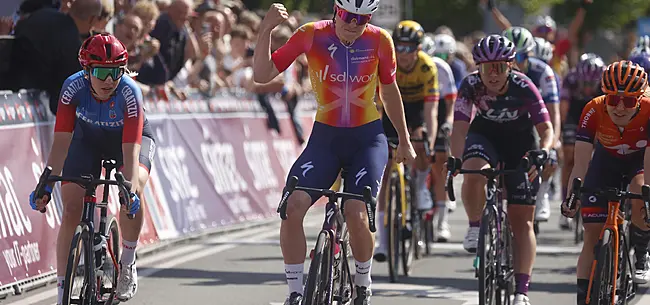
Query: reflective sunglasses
[
  {"x": 406, "y": 48},
  {"x": 102, "y": 73},
  {"x": 615, "y": 100},
  {"x": 348, "y": 17},
  {"x": 489, "y": 67}
]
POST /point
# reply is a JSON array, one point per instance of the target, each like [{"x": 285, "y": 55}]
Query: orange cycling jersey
[
  {"x": 344, "y": 78},
  {"x": 595, "y": 124}
]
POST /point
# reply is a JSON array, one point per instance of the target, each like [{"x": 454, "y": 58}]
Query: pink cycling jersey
[{"x": 344, "y": 78}]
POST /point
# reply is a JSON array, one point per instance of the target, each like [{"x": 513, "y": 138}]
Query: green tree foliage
[
  {"x": 532, "y": 7},
  {"x": 604, "y": 14}
]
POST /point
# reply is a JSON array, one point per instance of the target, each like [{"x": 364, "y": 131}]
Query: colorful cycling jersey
[
  {"x": 122, "y": 113},
  {"x": 446, "y": 81},
  {"x": 421, "y": 83},
  {"x": 344, "y": 78},
  {"x": 510, "y": 112},
  {"x": 595, "y": 124},
  {"x": 572, "y": 93},
  {"x": 544, "y": 78}
]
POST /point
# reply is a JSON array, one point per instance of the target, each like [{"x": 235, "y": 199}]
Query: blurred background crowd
[{"x": 206, "y": 46}]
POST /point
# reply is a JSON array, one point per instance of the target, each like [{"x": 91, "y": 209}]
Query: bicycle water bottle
[{"x": 100, "y": 249}]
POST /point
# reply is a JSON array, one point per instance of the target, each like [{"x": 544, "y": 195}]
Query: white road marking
[{"x": 164, "y": 260}]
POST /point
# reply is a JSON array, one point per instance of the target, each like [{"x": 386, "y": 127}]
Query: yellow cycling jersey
[{"x": 421, "y": 83}]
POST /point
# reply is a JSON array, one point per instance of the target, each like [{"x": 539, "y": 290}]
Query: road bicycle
[
  {"x": 89, "y": 266},
  {"x": 494, "y": 263},
  {"x": 329, "y": 278},
  {"x": 404, "y": 226},
  {"x": 610, "y": 281}
]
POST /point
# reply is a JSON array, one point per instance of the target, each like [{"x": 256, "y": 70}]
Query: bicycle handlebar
[
  {"x": 611, "y": 193},
  {"x": 454, "y": 166},
  {"x": 367, "y": 198},
  {"x": 86, "y": 182}
]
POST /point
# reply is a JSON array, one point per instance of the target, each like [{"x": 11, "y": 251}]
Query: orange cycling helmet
[{"x": 626, "y": 78}]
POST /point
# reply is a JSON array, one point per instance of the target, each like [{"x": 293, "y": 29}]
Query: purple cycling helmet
[
  {"x": 642, "y": 60},
  {"x": 493, "y": 48},
  {"x": 590, "y": 67}
]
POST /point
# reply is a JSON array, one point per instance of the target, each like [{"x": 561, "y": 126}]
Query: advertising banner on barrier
[{"x": 216, "y": 164}]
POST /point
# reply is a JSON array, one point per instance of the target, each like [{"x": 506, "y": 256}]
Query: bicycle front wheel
[
  {"x": 487, "y": 258},
  {"x": 393, "y": 228},
  {"x": 506, "y": 263},
  {"x": 409, "y": 245},
  {"x": 78, "y": 282},
  {"x": 108, "y": 281},
  {"x": 603, "y": 280},
  {"x": 318, "y": 279}
]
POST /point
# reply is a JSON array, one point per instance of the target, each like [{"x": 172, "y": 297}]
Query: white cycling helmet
[
  {"x": 544, "y": 21},
  {"x": 362, "y": 7},
  {"x": 428, "y": 45},
  {"x": 643, "y": 42},
  {"x": 445, "y": 44},
  {"x": 543, "y": 49}
]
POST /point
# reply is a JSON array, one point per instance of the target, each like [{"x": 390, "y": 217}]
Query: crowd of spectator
[{"x": 175, "y": 46}]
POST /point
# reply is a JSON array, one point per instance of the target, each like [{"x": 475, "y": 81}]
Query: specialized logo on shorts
[
  {"x": 362, "y": 172},
  {"x": 593, "y": 199},
  {"x": 307, "y": 167}
]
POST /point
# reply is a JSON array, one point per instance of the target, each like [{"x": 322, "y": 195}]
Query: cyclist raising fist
[{"x": 348, "y": 60}]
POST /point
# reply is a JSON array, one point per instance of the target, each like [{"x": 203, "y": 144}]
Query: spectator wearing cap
[
  {"x": 47, "y": 44},
  {"x": 178, "y": 44}
]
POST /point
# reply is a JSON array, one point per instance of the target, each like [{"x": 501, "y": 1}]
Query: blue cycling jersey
[{"x": 122, "y": 114}]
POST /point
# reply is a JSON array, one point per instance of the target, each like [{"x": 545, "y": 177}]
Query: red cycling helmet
[{"x": 103, "y": 49}]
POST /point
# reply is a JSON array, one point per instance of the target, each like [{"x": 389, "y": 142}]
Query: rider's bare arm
[
  {"x": 392, "y": 101},
  {"x": 266, "y": 66},
  {"x": 63, "y": 127},
  {"x": 458, "y": 138},
  {"x": 546, "y": 137}
]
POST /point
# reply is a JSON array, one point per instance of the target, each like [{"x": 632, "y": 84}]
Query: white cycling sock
[
  {"x": 59, "y": 289},
  {"x": 128, "y": 252},
  {"x": 381, "y": 230},
  {"x": 362, "y": 276},
  {"x": 294, "y": 273},
  {"x": 443, "y": 212}
]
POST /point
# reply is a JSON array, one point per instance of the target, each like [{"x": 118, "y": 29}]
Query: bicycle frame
[
  {"x": 613, "y": 223},
  {"x": 397, "y": 169}
]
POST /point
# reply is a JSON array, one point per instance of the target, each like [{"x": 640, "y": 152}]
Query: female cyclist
[
  {"x": 100, "y": 117},
  {"x": 614, "y": 127},
  {"x": 507, "y": 105}
]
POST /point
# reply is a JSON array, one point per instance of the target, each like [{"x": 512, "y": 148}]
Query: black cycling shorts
[
  {"x": 509, "y": 151},
  {"x": 605, "y": 171},
  {"x": 86, "y": 154},
  {"x": 414, "y": 113}
]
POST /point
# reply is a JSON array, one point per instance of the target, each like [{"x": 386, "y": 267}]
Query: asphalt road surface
[{"x": 246, "y": 268}]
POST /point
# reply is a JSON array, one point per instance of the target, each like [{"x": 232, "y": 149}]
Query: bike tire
[
  {"x": 111, "y": 261},
  {"x": 393, "y": 229},
  {"x": 505, "y": 264},
  {"x": 604, "y": 272},
  {"x": 486, "y": 252},
  {"x": 319, "y": 275},
  {"x": 626, "y": 290},
  {"x": 409, "y": 245},
  {"x": 81, "y": 247},
  {"x": 345, "y": 280}
]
